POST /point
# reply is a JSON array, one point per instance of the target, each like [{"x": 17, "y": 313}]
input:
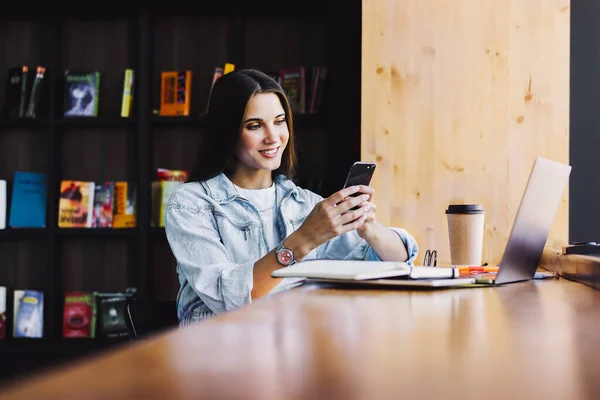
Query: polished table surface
[{"x": 536, "y": 339}]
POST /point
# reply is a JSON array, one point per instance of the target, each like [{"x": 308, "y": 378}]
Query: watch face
[{"x": 285, "y": 257}]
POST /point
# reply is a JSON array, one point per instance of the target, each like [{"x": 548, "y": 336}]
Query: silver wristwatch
[{"x": 285, "y": 256}]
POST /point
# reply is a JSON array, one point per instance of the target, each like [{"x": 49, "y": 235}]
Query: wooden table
[{"x": 530, "y": 340}]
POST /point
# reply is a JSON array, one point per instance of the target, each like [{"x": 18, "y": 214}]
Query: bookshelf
[{"x": 109, "y": 147}]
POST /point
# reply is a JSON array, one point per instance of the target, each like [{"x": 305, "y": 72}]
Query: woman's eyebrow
[{"x": 260, "y": 119}]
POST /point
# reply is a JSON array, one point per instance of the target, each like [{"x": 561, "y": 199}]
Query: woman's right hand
[{"x": 333, "y": 216}]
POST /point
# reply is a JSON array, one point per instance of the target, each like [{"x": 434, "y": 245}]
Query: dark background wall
[{"x": 584, "y": 205}]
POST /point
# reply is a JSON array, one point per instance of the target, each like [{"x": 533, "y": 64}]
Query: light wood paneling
[{"x": 458, "y": 98}]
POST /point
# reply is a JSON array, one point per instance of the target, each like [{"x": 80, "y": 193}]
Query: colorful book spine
[
  {"x": 23, "y": 99},
  {"x": 127, "y": 102},
  {"x": 229, "y": 67},
  {"x": 103, "y": 205},
  {"x": 2, "y": 204},
  {"x": 2, "y": 312},
  {"x": 125, "y": 205},
  {"x": 36, "y": 89},
  {"x": 175, "y": 94}
]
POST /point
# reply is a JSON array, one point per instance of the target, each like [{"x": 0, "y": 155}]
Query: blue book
[{"x": 28, "y": 204}]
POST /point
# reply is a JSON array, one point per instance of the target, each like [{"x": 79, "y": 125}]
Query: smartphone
[{"x": 360, "y": 173}]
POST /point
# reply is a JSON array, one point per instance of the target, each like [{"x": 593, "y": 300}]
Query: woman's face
[{"x": 264, "y": 136}]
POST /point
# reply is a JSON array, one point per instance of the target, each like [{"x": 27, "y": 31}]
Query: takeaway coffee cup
[{"x": 465, "y": 232}]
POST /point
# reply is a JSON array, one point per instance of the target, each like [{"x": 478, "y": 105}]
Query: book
[
  {"x": 320, "y": 90},
  {"x": 113, "y": 310},
  {"x": 128, "y": 85},
  {"x": 293, "y": 84},
  {"x": 2, "y": 204},
  {"x": 124, "y": 204},
  {"x": 181, "y": 175},
  {"x": 15, "y": 99},
  {"x": 175, "y": 93},
  {"x": 161, "y": 192},
  {"x": 103, "y": 205},
  {"x": 28, "y": 201},
  {"x": 36, "y": 89},
  {"x": 229, "y": 67},
  {"x": 216, "y": 75},
  {"x": 344, "y": 269},
  {"x": 29, "y": 314},
  {"x": 359, "y": 270},
  {"x": 82, "y": 89},
  {"x": 79, "y": 315},
  {"x": 17, "y": 296},
  {"x": 314, "y": 95},
  {"x": 75, "y": 205},
  {"x": 2, "y": 312}
]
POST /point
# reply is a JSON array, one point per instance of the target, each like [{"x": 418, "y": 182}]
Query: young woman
[{"x": 240, "y": 216}]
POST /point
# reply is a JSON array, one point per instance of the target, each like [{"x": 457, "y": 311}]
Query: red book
[{"x": 79, "y": 317}]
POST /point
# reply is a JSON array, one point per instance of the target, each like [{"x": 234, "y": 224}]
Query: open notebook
[{"x": 357, "y": 270}]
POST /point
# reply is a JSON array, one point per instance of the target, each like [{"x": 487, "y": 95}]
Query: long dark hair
[{"x": 228, "y": 103}]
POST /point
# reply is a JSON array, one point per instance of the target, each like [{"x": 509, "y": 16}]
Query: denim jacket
[{"x": 216, "y": 237}]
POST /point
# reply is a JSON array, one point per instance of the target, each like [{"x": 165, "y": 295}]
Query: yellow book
[
  {"x": 229, "y": 67},
  {"x": 161, "y": 192},
  {"x": 125, "y": 205},
  {"x": 127, "y": 103}
]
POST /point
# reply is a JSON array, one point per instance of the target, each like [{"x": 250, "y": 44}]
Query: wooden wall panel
[{"x": 458, "y": 98}]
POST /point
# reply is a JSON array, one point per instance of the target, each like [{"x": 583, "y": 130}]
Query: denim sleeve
[
  {"x": 204, "y": 261},
  {"x": 352, "y": 247}
]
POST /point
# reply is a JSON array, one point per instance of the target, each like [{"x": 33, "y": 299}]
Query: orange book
[
  {"x": 125, "y": 205},
  {"x": 175, "y": 93}
]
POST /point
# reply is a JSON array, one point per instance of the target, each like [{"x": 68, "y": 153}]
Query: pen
[{"x": 476, "y": 269}]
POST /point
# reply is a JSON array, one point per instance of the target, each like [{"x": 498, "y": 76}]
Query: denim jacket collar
[{"x": 221, "y": 189}]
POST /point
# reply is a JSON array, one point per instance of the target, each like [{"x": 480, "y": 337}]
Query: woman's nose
[{"x": 271, "y": 134}]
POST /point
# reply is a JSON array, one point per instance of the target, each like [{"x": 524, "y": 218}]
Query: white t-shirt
[{"x": 265, "y": 202}]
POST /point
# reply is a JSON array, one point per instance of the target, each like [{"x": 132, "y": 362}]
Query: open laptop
[
  {"x": 532, "y": 224},
  {"x": 528, "y": 236}
]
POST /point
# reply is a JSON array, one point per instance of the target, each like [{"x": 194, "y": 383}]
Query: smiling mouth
[{"x": 270, "y": 152}]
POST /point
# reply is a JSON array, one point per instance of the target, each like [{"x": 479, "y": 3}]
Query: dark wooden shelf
[
  {"x": 310, "y": 119},
  {"x": 36, "y": 233},
  {"x": 23, "y": 233},
  {"x": 97, "y": 122},
  {"x": 93, "y": 232},
  {"x": 55, "y": 346},
  {"x": 192, "y": 122},
  {"x": 156, "y": 231},
  {"x": 24, "y": 123}
]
